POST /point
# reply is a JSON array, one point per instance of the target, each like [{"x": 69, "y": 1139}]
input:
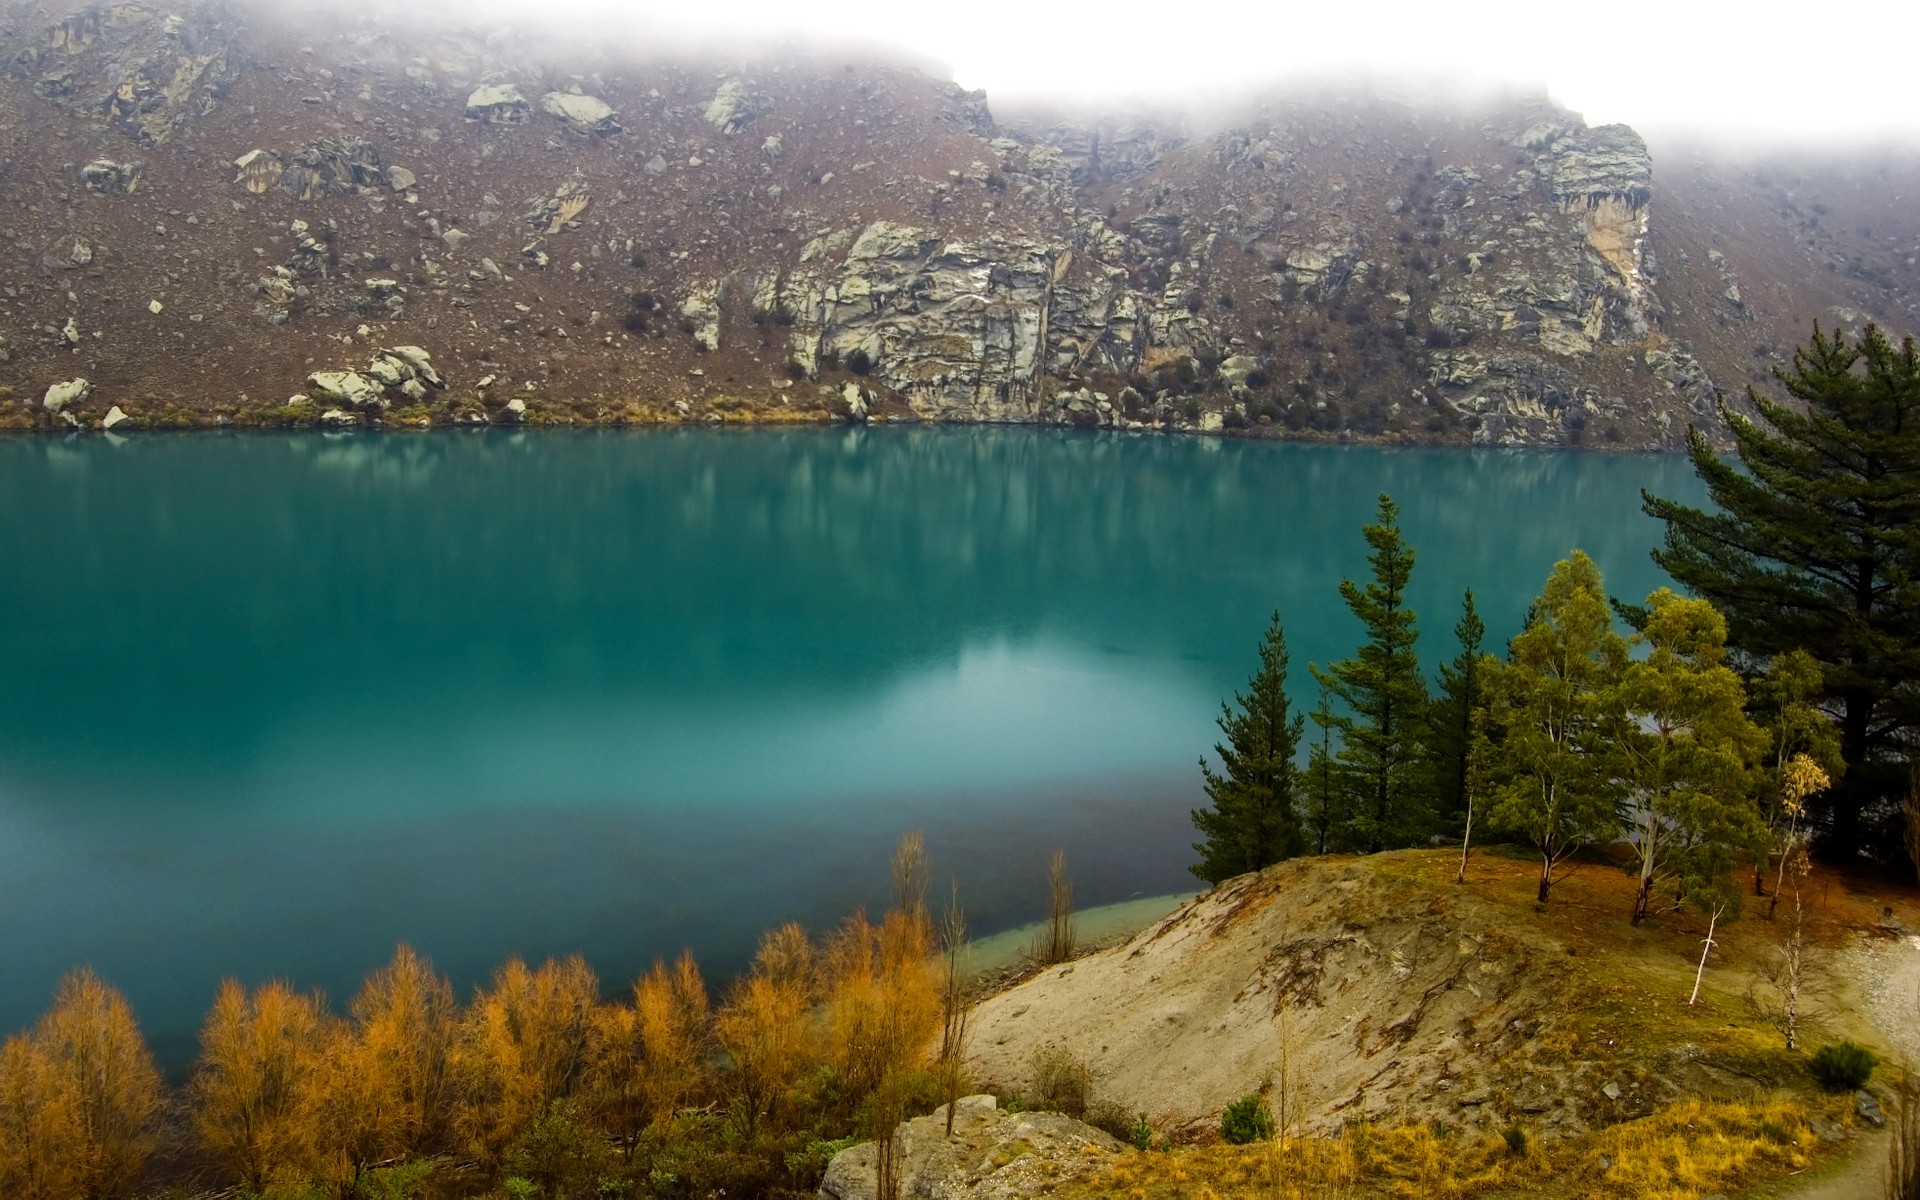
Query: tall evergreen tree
[
  {"x": 1252, "y": 823},
  {"x": 1554, "y": 708},
  {"x": 1814, "y": 543},
  {"x": 1384, "y": 698},
  {"x": 1450, "y": 719}
]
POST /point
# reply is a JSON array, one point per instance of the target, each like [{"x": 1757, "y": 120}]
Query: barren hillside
[
  {"x": 1377, "y": 987},
  {"x": 215, "y": 215}
]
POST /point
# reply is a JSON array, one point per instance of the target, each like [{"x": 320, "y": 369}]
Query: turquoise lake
[{"x": 271, "y": 704}]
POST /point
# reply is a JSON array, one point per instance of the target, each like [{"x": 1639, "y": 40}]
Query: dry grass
[
  {"x": 1627, "y": 986},
  {"x": 1691, "y": 1149}
]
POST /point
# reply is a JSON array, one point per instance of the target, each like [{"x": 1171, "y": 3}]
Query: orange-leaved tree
[
  {"x": 259, "y": 1057},
  {"x": 382, "y": 1090},
  {"x": 80, "y": 1100},
  {"x": 522, "y": 1046},
  {"x": 766, "y": 1028}
]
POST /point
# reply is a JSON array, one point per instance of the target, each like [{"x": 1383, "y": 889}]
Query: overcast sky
[{"x": 1761, "y": 68}]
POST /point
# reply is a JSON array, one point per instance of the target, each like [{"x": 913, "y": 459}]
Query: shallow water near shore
[{"x": 270, "y": 704}]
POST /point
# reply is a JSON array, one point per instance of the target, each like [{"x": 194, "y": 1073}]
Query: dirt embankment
[{"x": 1378, "y": 987}]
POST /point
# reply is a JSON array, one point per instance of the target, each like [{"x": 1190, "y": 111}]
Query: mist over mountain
[{"x": 220, "y": 214}]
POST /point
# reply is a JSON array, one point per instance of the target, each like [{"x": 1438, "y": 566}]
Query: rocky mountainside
[{"x": 214, "y": 214}]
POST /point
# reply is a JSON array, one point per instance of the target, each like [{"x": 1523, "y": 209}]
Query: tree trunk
[
  {"x": 1847, "y": 801},
  {"x": 1546, "y": 875},
  {"x": 1705, "y": 950}
]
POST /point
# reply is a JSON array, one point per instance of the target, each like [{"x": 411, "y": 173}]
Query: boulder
[
  {"x": 1868, "y": 1107},
  {"x": 114, "y": 417},
  {"x": 320, "y": 168},
  {"x": 582, "y": 114},
  {"x": 732, "y": 108},
  {"x": 992, "y": 1155},
  {"x": 350, "y": 388},
  {"x": 105, "y": 177},
  {"x": 333, "y": 418},
  {"x": 60, "y": 395},
  {"x": 259, "y": 171},
  {"x": 498, "y": 104},
  {"x": 419, "y": 361},
  {"x": 400, "y": 179}
]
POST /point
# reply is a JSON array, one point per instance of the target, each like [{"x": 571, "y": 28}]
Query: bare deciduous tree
[
  {"x": 1055, "y": 943},
  {"x": 953, "y": 1001}
]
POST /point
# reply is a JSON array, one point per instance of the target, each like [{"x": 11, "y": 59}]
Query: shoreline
[{"x": 999, "y": 960}]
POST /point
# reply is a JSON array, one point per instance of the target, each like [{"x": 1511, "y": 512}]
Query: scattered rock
[
  {"x": 333, "y": 418},
  {"x": 582, "y": 114},
  {"x": 60, "y": 395},
  {"x": 732, "y": 108},
  {"x": 498, "y": 104},
  {"x": 114, "y": 417},
  {"x": 992, "y": 1155},
  {"x": 350, "y": 388},
  {"x": 105, "y": 177},
  {"x": 1826, "y": 1129},
  {"x": 1868, "y": 1107}
]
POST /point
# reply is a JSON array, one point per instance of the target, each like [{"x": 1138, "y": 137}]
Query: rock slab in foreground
[{"x": 992, "y": 1155}]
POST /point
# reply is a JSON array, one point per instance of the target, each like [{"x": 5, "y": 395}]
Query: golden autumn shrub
[
  {"x": 80, "y": 1100},
  {"x": 522, "y": 1045},
  {"x": 382, "y": 1089},
  {"x": 766, "y": 1028},
  {"x": 259, "y": 1057}
]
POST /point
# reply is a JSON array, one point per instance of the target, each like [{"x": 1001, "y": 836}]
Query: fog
[{"x": 1761, "y": 71}]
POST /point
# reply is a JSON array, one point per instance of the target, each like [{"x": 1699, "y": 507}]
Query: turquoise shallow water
[{"x": 269, "y": 704}]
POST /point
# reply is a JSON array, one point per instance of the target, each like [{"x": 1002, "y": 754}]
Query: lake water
[{"x": 271, "y": 704}]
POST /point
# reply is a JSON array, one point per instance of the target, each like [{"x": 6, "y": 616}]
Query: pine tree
[
  {"x": 1384, "y": 698},
  {"x": 1687, "y": 750},
  {"x": 1252, "y": 823},
  {"x": 1813, "y": 542},
  {"x": 1324, "y": 819},
  {"x": 1554, "y": 708},
  {"x": 1450, "y": 720}
]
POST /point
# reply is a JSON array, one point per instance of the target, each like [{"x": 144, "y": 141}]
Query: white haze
[{"x": 1752, "y": 72}]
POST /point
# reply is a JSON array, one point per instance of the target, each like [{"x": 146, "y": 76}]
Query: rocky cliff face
[{"x": 208, "y": 209}]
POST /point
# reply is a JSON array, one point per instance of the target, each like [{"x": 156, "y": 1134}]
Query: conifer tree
[
  {"x": 1686, "y": 753},
  {"x": 1384, "y": 698},
  {"x": 1450, "y": 719},
  {"x": 1324, "y": 821},
  {"x": 1813, "y": 542},
  {"x": 1554, "y": 708},
  {"x": 1252, "y": 823}
]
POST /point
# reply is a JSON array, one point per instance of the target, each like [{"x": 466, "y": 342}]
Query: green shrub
[
  {"x": 859, "y": 362},
  {"x": 402, "y": 1182},
  {"x": 1516, "y": 1140},
  {"x": 1141, "y": 1135},
  {"x": 1246, "y": 1120},
  {"x": 1843, "y": 1066}
]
